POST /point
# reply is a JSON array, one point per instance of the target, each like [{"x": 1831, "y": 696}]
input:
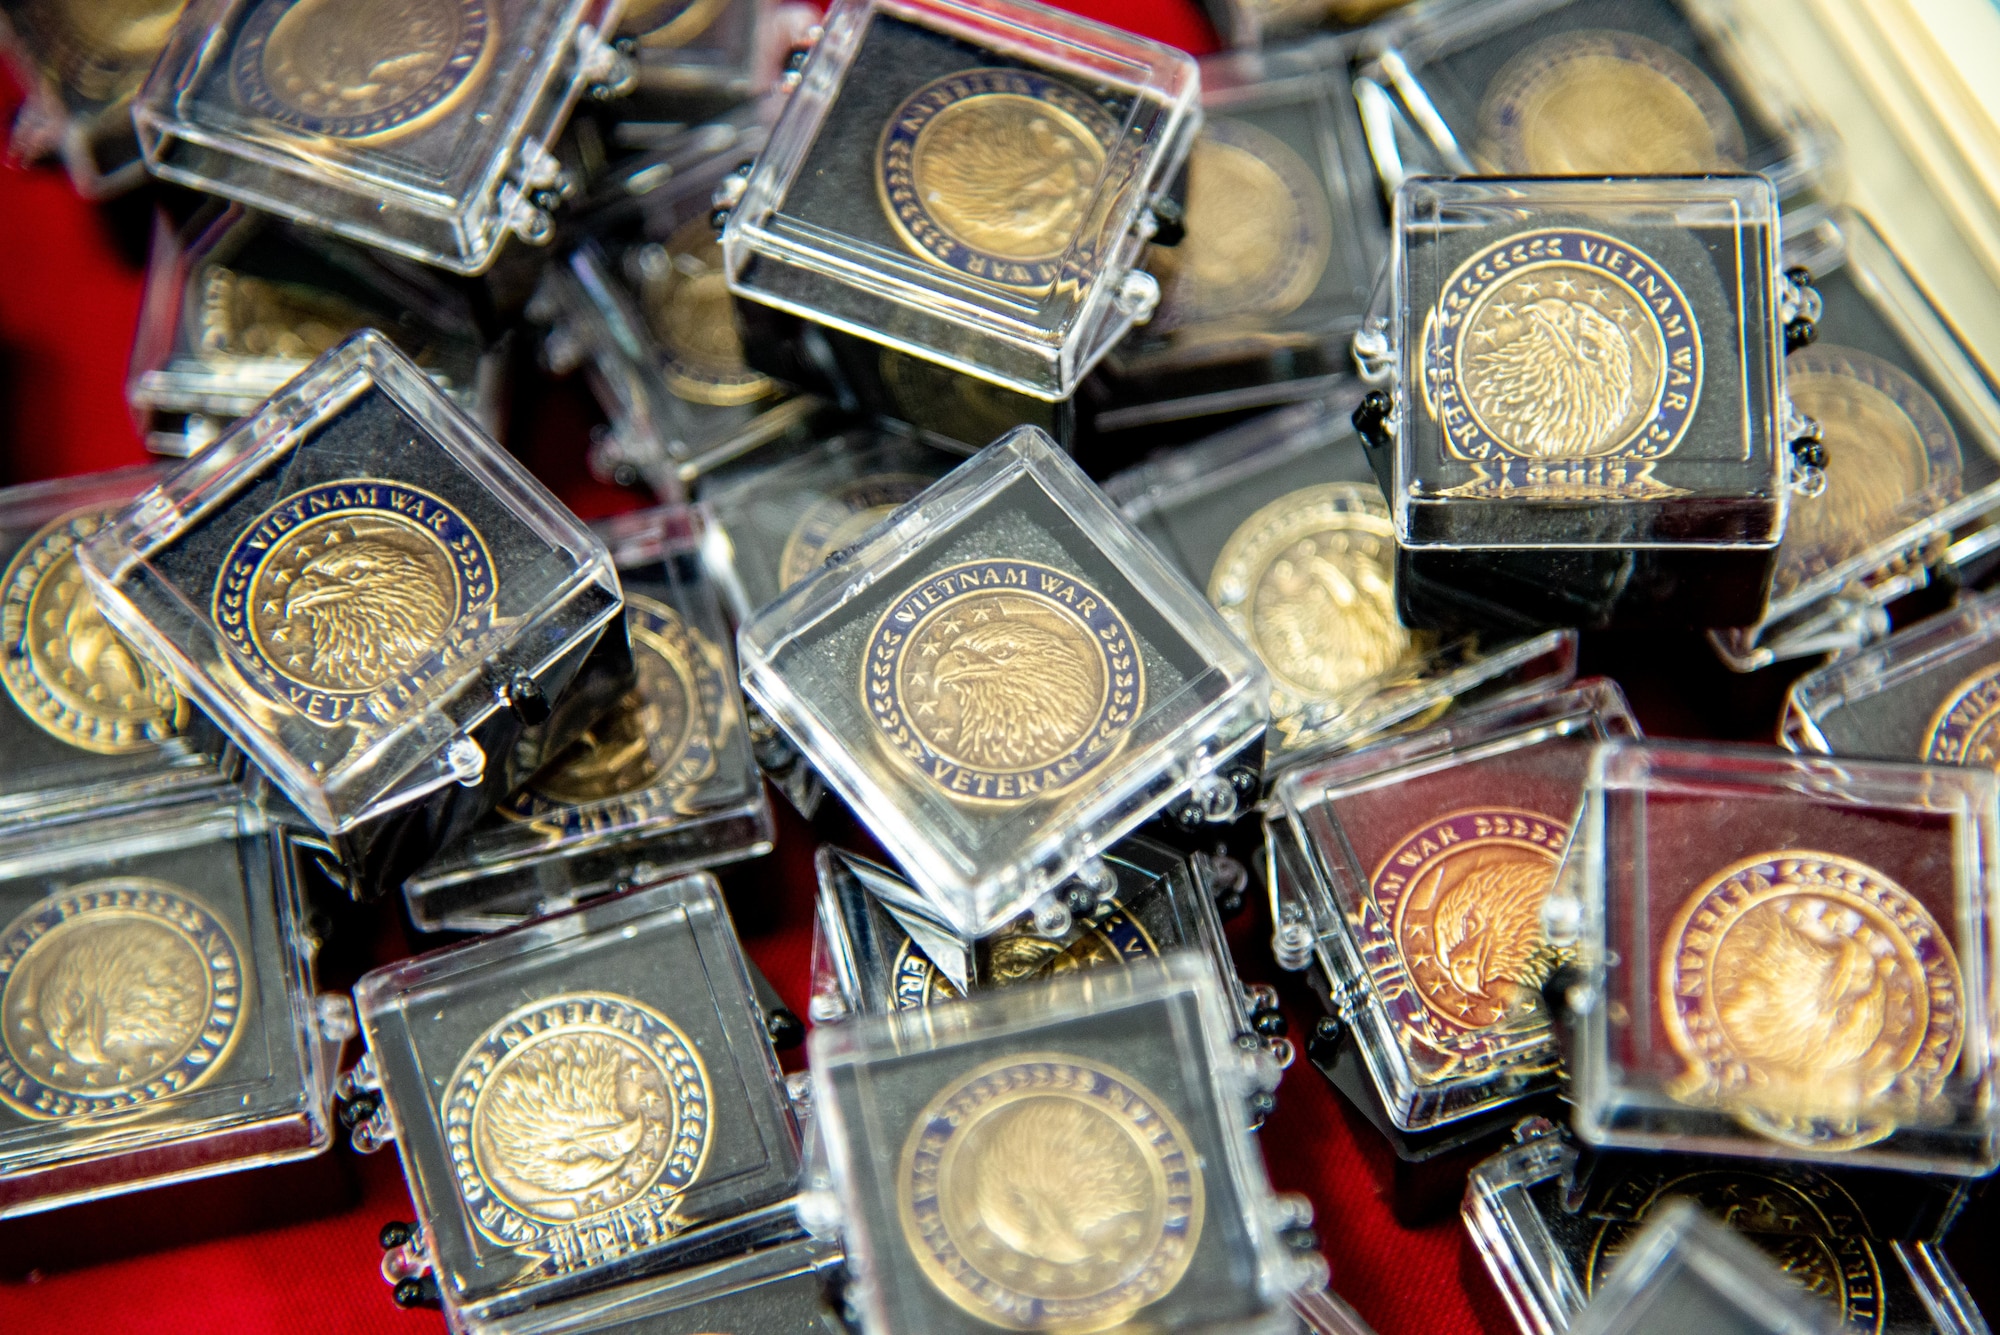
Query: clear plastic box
[
  {"x": 980, "y": 1154},
  {"x": 662, "y": 784},
  {"x": 1284, "y": 239},
  {"x": 781, "y": 513},
  {"x": 423, "y": 128},
  {"x": 643, "y": 304},
  {"x": 1281, "y": 521},
  {"x": 1911, "y": 416},
  {"x": 87, "y": 723},
  {"x": 778, "y": 1290},
  {"x": 876, "y": 949},
  {"x": 1588, "y": 407},
  {"x": 77, "y": 66},
  {"x": 580, "y": 1101},
  {"x": 237, "y": 304},
  {"x": 1423, "y": 863},
  {"x": 1594, "y": 88},
  {"x": 1926, "y": 693},
  {"x": 1551, "y": 1223},
  {"x": 386, "y": 612},
  {"x": 683, "y": 47},
  {"x": 969, "y": 185},
  {"x": 1783, "y": 957},
  {"x": 156, "y": 981},
  {"x": 994, "y": 784}
]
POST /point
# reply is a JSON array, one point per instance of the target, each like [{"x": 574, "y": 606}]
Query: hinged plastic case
[
  {"x": 644, "y": 305},
  {"x": 421, "y": 128},
  {"x": 580, "y": 1101},
  {"x": 87, "y": 723},
  {"x": 1591, "y": 88},
  {"x": 160, "y": 1023},
  {"x": 968, "y": 184},
  {"x": 1552, "y": 1226},
  {"x": 777, "y": 1290},
  {"x": 1588, "y": 416},
  {"x": 1783, "y": 957},
  {"x": 77, "y": 66},
  {"x": 1913, "y": 418},
  {"x": 1006, "y": 678},
  {"x": 1285, "y": 235},
  {"x": 1931, "y": 692},
  {"x": 386, "y": 612},
  {"x": 877, "y": 950},
  {"x": 1068, "y": 1154},
  {"x": 237, "y": 304},
  {"x": 663, "y": 783},
  {"x": 1281, "y": 521},
  {"x": 1426, "y": 860},
  {"x": 780, "y": 514}
]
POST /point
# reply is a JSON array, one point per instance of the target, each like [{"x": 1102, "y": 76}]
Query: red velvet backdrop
[{"x": 294, "y": 1249}]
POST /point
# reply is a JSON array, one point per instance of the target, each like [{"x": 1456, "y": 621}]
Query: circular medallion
[
  {"x": 1259, "y": 231},
  {"x": 360, "y": 69},
  {"x": 1047, "y": 1192},
  {"x": 1898, "y": 458},
  {"x": 991, "y": 173},
  {"x": 1562, "y": 344},
  {"x": 1309, "y": 581},
  {"x": 574, "y": 1108},
  {"x": 1811, "y": 997},
  {"x": 1594, "y": 103},
  {"x": 99, "y": 50},
  {"x": 64, "y": 666},
  {"x": 1003, "y": 681},
  {"x": 657, "y": 737},
  {"x": 840, "y": 518},
  {"x": 349, "y": 588},
  {"x": 917, "y": 983},
  {"x": 963, "y": 407},
  {"x": 1801, "y": 1220},
  {"x": 114, "y": 994},
  {"x": 1966, "y": 728},
  {"x": 1462, "y": 897},
  {"x": 684, "y": 289},
  {"x": 665, "y": 24}
]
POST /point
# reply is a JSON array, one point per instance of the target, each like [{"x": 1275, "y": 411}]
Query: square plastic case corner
[{"x": 1006, "y": 678}]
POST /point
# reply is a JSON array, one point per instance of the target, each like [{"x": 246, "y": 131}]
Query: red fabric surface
[{"x": 294, "y": 1249}]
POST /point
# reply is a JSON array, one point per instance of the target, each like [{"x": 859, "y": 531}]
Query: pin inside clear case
[
  {"x": 423, "y": 130},
  {"x": 628, "y": 1027},
  {"x": 237, "y": 304},
  {"x": 375, "y": 602},
  {"x": 1926, "y": 693},
  {"x": 156, "y": 980},
  {"x": 1281, "y": 521},
  {"x": 1424, "y": 863},
  {"x": 1006, "y": 678},
  {"x": 876, "y": 949},
  {"x": 1552, "y": 1225},
  {"x": 663, "y": 783},
  {"x": 88, "y": 724},
  {"x": 779, "y": 1290},
  {"x": 1284, "y": 238},
  {"x": 1783, "y": 957},
  {"x": 780, "y": 514},
  {"x": 978, "y": 1150},
  {"x": 78, "y": 65},
  {"x": 1913, "y": 418},
  {"x": 969, "y": 185},
  {"x": 643, "y": 304},
  {"x": 1593, "y": 88},
  {"x": 1588, "y": 415}
]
